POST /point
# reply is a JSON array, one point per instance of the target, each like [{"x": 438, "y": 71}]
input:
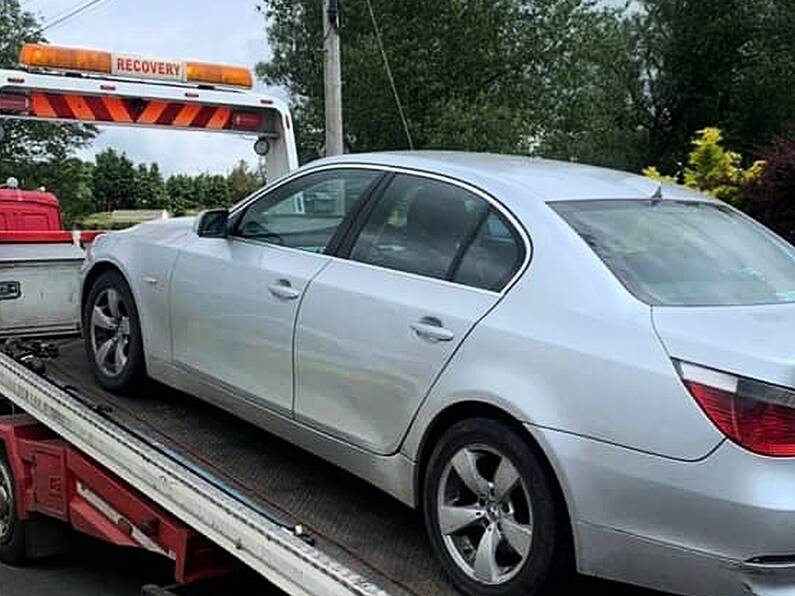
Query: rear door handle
[
  {"x": 431, "y": 329},
  {"x": 283, "y": 290}
]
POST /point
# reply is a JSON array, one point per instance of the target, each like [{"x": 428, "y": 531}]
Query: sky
[{"x": 226, "y": 31}]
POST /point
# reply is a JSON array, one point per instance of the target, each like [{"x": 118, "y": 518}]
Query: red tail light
[
  {"x": 755, "y": 415},
  {"x": 13, "y": 103},
  {"x": 247, "y": 121}
]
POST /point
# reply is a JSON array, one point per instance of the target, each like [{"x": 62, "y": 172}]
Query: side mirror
[{"x": 212, "y": 223}]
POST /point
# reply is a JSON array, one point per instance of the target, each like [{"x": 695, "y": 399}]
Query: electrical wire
[
  {"x": 389, "y": 75},
  {"x": 72, "y": 13}
]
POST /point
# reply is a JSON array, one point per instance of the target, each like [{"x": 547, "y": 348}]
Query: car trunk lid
[{"x": 753, "y": 341}]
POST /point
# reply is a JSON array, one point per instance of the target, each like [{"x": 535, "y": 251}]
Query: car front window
[
  {"x": 685, "y": 253},
  {"x": 306, "y": 213}
]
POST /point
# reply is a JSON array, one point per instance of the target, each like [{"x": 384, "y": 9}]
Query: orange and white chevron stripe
[{"x": 92, "y": 108}]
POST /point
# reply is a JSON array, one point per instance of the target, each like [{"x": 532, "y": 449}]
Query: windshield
[{"x": 677, "y": 253}]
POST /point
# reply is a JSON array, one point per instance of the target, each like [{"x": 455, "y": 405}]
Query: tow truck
[{"x": 158, "y": 470}]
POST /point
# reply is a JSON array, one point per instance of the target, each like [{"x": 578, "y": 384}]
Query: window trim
[
  {"x": 239, "y": 211},
  {"x": 456, "y": 265},
  {"x": 365, "y": 207}
]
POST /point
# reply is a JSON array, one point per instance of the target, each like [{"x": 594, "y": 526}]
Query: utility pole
[{"x": 332, "y": 72}]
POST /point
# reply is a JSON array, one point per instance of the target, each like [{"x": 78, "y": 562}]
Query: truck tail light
[
  {"x": 14, "y": 103},
  {"x": 757, "y": 416},
  {"x": 247, "y": 120}
]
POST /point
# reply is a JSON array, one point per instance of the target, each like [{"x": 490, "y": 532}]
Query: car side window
[
  {"x": 419, "y": 226},
  {"x": 306, "y": 213},
  {"x": 493, "y": 257}
]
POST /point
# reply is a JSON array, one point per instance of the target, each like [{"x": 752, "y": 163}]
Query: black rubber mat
[{"x": 353, "y": 522}]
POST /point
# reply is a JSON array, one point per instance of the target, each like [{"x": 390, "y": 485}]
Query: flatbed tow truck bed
[
  {"x": 349, "y": 520},
  {"x": 370, "y": 543}
]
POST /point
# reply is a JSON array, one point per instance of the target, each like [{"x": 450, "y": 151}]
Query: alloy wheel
[
  {"x": 485, "y": 514},
  {"x": 110, "y": 332}
]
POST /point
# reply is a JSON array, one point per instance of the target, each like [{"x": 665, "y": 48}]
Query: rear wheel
[
  {"x": 492, "y": 513},
  {"x": 12, "y": 528},
  {"x": 112, "y": 334}
]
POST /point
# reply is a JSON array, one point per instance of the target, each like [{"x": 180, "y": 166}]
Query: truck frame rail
[{"x": 250, "y": 534}]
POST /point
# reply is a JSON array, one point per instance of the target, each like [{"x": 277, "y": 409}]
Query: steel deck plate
[{"x": 353, "y": 522}]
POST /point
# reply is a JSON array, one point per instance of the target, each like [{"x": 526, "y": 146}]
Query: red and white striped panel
[{"x": 91, "y": 108}]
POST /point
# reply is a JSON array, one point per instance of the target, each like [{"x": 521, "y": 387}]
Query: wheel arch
[
  {"x": 92, "y": 275},
  {"x": 459, "y": 411},
  {"x": 10, "y": 454}
]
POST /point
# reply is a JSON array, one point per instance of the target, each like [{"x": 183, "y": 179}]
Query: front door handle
[
  {"x": 283, "y": 290},
  {"x": 431, "y": 329}
]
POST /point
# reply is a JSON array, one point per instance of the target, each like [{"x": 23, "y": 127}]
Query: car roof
[{"x": 546, "y": 180}]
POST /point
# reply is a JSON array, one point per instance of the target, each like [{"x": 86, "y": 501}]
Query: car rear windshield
[{"x": 686, "y": 253}]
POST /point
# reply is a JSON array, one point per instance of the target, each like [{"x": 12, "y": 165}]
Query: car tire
[
  {"x": 112, "y": 334},
  {"x": 493, "y": 513},
  {"x": 13, "y": 530}
]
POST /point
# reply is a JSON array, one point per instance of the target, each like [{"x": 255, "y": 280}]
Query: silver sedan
[{"x": 560, "y": 366}]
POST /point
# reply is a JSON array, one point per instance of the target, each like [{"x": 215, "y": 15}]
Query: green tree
[
  {"x": 715, "y": 170},
  {"x": 181, "y": 197},
  {"x": 200, "y": 198},
  {"x": 218, "y": 193},
  {"x": 242, "y": 181},
  {"x": 149, "y": 191},
  {"x": 488, "y": 75},
  {"x": 31, "y": 142},
  {"x": 729, "y": 63},
  {"x": 69, "y": 179},
  {"x": 114, "y": 181}
]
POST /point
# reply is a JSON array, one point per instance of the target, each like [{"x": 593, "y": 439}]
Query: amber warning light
[{"x": 125, "y": 65}]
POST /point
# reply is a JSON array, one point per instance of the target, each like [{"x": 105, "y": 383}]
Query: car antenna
[{"x": 657, "y": 196}]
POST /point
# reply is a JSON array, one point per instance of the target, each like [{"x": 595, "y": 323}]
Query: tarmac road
[{"x": 100, "y": 569}]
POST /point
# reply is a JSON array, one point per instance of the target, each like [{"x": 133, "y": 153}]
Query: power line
[
  {"x": 61, "y": 13},
  {"x": 72, "y": 13},
  {"x": 389, "y": 75}
]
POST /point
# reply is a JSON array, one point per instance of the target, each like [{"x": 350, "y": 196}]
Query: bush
[
  {"x": 771, "y": 197},
  {"x": 714, "y": 170}
]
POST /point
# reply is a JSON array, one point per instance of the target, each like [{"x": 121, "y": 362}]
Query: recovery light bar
[{"x": 66, "y": 59}]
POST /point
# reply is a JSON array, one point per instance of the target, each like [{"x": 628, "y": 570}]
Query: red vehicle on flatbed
[
  {"x": 39, "y": 264},
  {"x": 28, "y": 211}
]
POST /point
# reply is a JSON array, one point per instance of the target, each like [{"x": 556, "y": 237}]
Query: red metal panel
[
  {"x": 46, "y": 237},
  {"x": 48, "y": 476},
  {"x": 14, "y": 430},
  {"x": 29, "y": 210},
  {"x": 54, "y": 479},
  {"x": 86, "y": 519}
]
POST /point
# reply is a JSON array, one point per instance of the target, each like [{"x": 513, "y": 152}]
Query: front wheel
[
  {"x": 492, "y": 513},
  {"x": 112, "y": 334},
  {"x": 12, "y": 528}
]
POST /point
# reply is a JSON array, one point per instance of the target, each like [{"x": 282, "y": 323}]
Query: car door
[
  {"x": 234, "y": 300},
  {"x": 378, "y": 324}
]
